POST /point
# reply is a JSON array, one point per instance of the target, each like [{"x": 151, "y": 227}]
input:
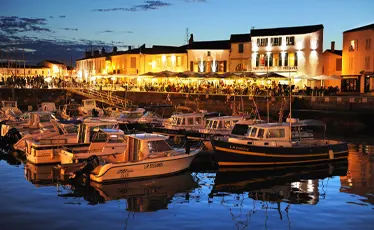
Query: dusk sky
[{"x": 51, "y": 29}]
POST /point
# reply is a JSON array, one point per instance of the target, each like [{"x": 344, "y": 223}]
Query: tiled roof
[
  {"x": 236, "y": 38},
  {"x": 210, "y": 45},
  {"x": 367, "y": 27},
  {"x": 337, "y": 52},
  {"x": 286, "y": 30}
]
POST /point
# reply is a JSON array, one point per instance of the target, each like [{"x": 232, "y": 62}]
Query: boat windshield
[
  {"x": 209, "y": 124},
  {"x": 158, "y": 146},
  {"x": 240, "y": 129}
]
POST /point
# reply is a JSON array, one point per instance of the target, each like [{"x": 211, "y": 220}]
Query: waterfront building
[
  {"x": 288, "y": 51},
  {"x": 45, "y": 68},
  {"x": 358, "y": 59},
  {"x": 332, "y": 65},
  {"x": 208, "y": 56},
  {"x": 240, "y": 53},
  {"x": 131, "y": 63}
]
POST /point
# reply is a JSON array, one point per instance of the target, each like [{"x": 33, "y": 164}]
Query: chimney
[
  {"x": 129, "y": 47},
  {"x": 191, "y": 40},
  {"x": 333, "y": 46},
  {"x": 114, "y": 49}
]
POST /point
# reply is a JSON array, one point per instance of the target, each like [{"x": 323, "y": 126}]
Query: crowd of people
[
  {"x": 249, "y": 87},
  {"x": 37, "y": 82}
]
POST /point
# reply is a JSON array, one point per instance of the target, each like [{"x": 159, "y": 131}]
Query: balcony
[{"x": 275, "y": 69}]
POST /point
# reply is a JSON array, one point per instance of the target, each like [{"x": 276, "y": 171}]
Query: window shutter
[
  {"x": 286, "y": 59},
  {"x": 296, "y": 60},
  {"x": 257, "y": 60},
  {"x": 271, "y": 60},
  {"x": 280, "y": 41},
  {"x": 191, "y": 66},
  {"x": 280, "y": 59}
]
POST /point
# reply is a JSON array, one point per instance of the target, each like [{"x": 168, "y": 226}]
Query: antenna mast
[{"x": 187, "y": 35}]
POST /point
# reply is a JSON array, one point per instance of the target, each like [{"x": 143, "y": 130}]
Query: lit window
[
  {"x": 275, "y": 59},
  {"x": 290, "y": 41},
  {"x": 262, "y": 59},
  {"x": 352, "y": 45},
  {"x": 262, "y": 42},
  {"x": 276, "y": 41},
  {"x": 291, "y": 59}
]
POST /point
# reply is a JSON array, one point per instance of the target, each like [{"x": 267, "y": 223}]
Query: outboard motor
[
  {"x": 12, "y": 136},
  {"x": 91, "y": 163}
]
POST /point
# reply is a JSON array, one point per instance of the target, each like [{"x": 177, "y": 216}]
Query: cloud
[
  {"x": 195, "y": 0},
  {"x": 114, "y": 32},
  {"x": 148, "y": 5},
  {"x": 55, "y": 47},
  {"x": 69, "y": 29},
  {"x": 13, "y": 24}
]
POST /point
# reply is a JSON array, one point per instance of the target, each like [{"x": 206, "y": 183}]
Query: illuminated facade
[
  {"x": 208, "y": 56},
  {"x": 133, "y": 62},
  {"x": 44, "y": 68},
  {"x": 290, "y": 51},
  {"x": 358, "y": 59},
  {"x": 241, "y": 52},
  {"x": 332, "y": 65}
]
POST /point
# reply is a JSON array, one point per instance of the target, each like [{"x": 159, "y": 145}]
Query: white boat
[
  {"x": 146, "y": 155},
  {"x": 47, "y": 150},
  {"x": 89, "y": 108},
  {"x": 69, "y": 111},
  {"x": 218, "y": 126},
  {"x": 9, "y": 111},
  {"x": 35, "y": 123},
  {"x": 178, "y": 124},
  {"x": 55, "y": 130},
  {"x": 47, "y": 106},
  {"x": 108, "y": 144},
  {"x": 286, "y": 143}
]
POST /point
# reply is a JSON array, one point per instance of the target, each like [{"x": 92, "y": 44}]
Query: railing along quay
[{"x": 106, "y": 97}]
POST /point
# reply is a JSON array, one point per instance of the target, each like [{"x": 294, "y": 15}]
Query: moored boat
[
  {"x": 146, "y": 155},
  {"x": 291, "y": 142},
  {"x": 89, "y": 108},
  {"x": 46, "y": 150}
]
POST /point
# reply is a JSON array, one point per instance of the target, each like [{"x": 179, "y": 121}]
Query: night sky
[{"x": 59, "y": 30}]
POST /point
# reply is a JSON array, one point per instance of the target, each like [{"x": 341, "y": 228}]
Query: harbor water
[{"x": 338, "y": 196}]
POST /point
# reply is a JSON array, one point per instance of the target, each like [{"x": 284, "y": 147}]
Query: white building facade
[{"x": 288, "y": 51}]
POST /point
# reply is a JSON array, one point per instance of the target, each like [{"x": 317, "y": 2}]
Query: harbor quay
[{"x": 341, "y": 112}]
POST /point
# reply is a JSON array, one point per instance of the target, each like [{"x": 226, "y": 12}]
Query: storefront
[
  {"x": 351, "y": 83},
  {"x": 369, "y": 82}
]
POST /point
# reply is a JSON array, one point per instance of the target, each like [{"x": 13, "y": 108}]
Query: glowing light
[
  {"x": 55, "y": 68},
  {"x": 214, "y": 65},
  {"x": 313, "y": 44},
  {"x": 201, "y": 65},
  {"x": 163, "y": 58},
  {"x": 299, "y": 45},
  {"x": 79, "y": 74},
  {"x": 153, "y": 63}
]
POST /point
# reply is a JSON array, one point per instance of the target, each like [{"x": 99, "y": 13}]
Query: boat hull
[
  {"x": 233, "y": 154},
  {"x": 147, "y": 168},
  {"x": 49, "y": 154}
]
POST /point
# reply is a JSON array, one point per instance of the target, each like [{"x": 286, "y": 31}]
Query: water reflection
[
  {"x": 360, "y": 179},
  {"x": 141, "y": 196}
]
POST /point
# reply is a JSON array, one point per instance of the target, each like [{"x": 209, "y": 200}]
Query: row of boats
[{"x": 135, "y": 144}]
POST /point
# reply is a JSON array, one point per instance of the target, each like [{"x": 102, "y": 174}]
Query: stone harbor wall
[{"x": 353, "y": 113}]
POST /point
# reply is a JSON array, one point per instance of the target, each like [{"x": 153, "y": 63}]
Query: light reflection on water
[{"x": 338, "y": 196}]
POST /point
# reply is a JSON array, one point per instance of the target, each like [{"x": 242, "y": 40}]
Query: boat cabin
[
  {"x": 85, "y": 132},
  {"x": 89, "y": 103},
  {"x": 188, "y": 121},
  {"x": 88, "y": 106},
  {"x": 47, "y": 106},
  {"x": 222, "y": 124},
  {"x": 145, "y": 146},
  {"x": 107, "y": 138},
  {"x": 70, "y": 110},
  {"x": 8, "y": 105},
  {"x": 292, "y": 130}
]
